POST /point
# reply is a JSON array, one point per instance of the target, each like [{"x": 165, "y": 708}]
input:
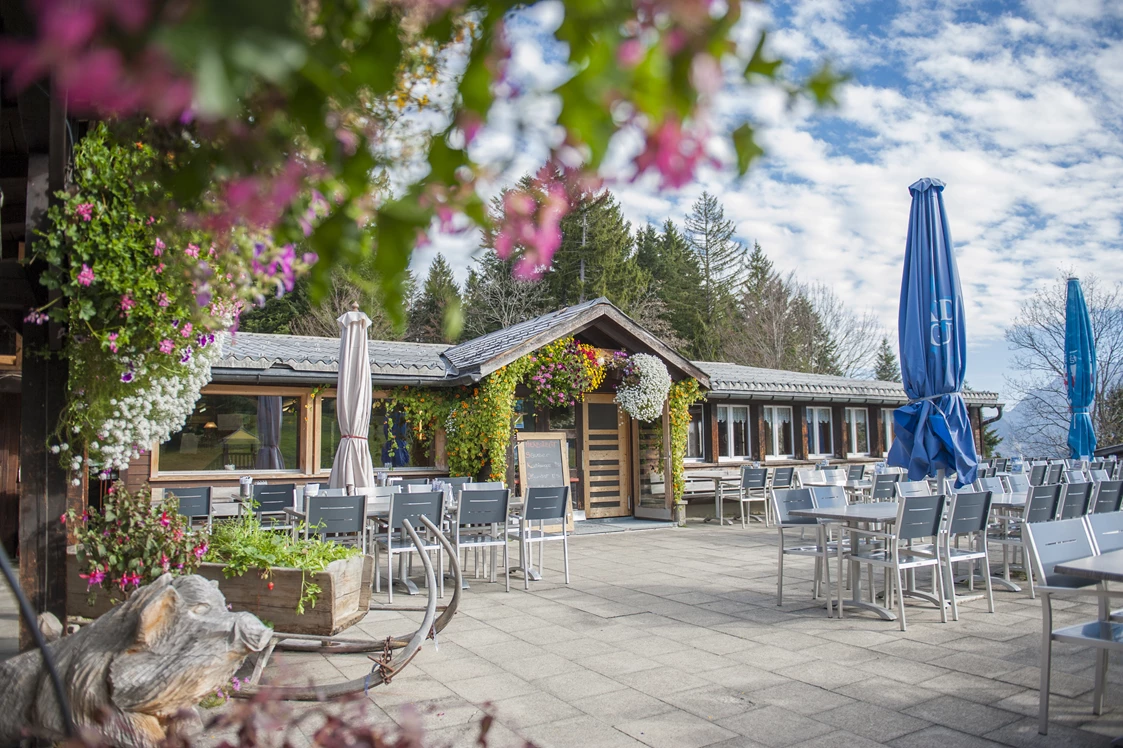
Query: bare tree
[
  {"x": 653, "y": 313},
  {"x": 494, "y": 299},
  {"x": 1037, "y": 338},
  {"x": 856, "y": 334},
  {"x": 320, "y": 319}
]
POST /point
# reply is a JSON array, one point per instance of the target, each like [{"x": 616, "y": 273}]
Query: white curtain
[
  {"x": 352, "y": 465},
  {"x": 269, "y": 433}
]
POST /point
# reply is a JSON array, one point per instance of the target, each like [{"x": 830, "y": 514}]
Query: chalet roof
[{"x": 736, "y": 381}]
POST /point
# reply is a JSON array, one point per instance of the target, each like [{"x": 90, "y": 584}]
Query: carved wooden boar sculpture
[{"x": 134, "y": 669}]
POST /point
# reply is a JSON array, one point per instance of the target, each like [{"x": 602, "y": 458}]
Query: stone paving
[{"x": 672, "y": 639}]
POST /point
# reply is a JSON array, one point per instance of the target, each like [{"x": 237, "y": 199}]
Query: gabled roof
[
  {"x": 734, "y": 380},
  {"x": 479, "y": 357},
  {"x": 317, "y": 359}
]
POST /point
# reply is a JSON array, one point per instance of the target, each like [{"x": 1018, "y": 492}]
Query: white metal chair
[
  {"x": 784, "y": 502},
  {"x": 482, "y": 523},
  {"x": 969, "y": 518},
  {"x": 408, "y": 506},
  {"x": 908, "y": 488},
  {"x": 341, "y": 519},
  {"x": 544, "y": 506},
  {"x": 754, "y": 487}
]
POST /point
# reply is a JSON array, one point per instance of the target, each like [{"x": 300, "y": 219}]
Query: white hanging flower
[{"x": 645, "y": 387}]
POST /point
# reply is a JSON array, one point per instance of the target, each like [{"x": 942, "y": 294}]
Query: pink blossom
[
  {"x": 629, "y": 53},
  {"x": 86, "y": 277},
  {"x": 160, "y": 247},
  {"x": 151, "y": 220},
  {"x": 35, "y": 317},
  {"x": 166, "y": 346},
  {"x": 94, "y": 578},
  {"x": 85, "y": 211},
  {"x": 192, "y": 250},
  {"x": 160, "y": 268},
  {"x": 162, "y": 299},
  {"x": 673, "y": 153},
  {"x": 113, "y": 342},
  {"x": 127, "y": 303},
  {"x": 200, "y": 550},
  {"x": 164, "y": 519}
]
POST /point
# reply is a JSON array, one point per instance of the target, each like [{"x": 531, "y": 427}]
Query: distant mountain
[{"x": 1027, "y": 432}]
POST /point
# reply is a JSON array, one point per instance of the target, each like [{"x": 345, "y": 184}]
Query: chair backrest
[
  {"x": 919, "y": 517},
  {"x": 418, "y": 487},
  {"x": 1108, "y": 496},
  {"x": 329, "y": 492},
  {"x": 1018, "y": 483},
  {"x": 1074, "y": 476},
  {"x": 855, "y": 472},
  {"x": 1098, "y": 474},
  {"x": 412, "y": 506},
  {"x": 1054, "y": 472},
  {"x": 1096, "y": 465},
  {"x": 752, "y": 477},
  {"x": 1041, "y": 503},
  {"x": 487, "y": 485},
  {"x": 885, "y": 486},
  {"x": 413, "y": 481},
  {"x": 785, "y": 500},
  {"x": 336, "y": 514},
  {"x": 1075, "y": 499},
  {"x": 1107, "y": 531},
  {"x": 970, "y": 512},
  {"x": 829, "y": 497},
  {"x": 483, "y": 507},
  {"x": 194, "y": 501},
  {"x": 1037, "y": 474},
  {"x": 544, "y": 503},
  {"x": 1052, "y": 543},
  {"x": 1003, "y": 465},
  {"x": 906, "y": 488},
  {"x": 806, "y": 477},
  {"x": 782, "y": 477},
  {"x": 835, "y": 476},
  {"x": 994, "y": 485},
  {"x": 274, "y": 497},
  {"x": 458, "y": 482}
]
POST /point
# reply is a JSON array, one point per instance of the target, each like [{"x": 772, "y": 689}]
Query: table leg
[
  {"x": 719, "y": 508},
  {"x": 856, "y": 588},
  {"x": 403, "y": 578}
]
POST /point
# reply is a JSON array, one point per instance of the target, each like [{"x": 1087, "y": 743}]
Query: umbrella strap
[
  {"x": 1075, "y": 411},
  {"x": 352, "y": 436}
]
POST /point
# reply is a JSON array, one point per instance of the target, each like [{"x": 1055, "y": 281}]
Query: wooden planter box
[{"x": 343, "y": 600}]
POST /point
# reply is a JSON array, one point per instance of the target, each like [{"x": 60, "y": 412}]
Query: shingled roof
[{"x": 734, "y": 380}]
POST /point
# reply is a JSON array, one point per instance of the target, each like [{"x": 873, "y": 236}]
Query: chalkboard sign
[{"x": 544, "y": 462}]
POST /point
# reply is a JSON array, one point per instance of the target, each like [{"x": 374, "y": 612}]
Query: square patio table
[
  {"x": 853, "y": 516},
  {"x": 719, "y": 477}
]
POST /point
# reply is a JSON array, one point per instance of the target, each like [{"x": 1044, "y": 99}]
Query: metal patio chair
[
  {"x": 782, "y": 477},
  {"x": 1109, "y": 495},
  {"x": 855, "y": 473},
  {"x": 482, "y": 523},
  {"x": 270, "y": 502},
  {"x": 1041, "y": 505},
  {"x": 1037, "y": 474},
  {"x": 884, "y": 487},
  {"x": 754, "y": 487},
  {"x": 909, "y": 488},
  {"x": 918, "y": 518},
  {"x": 341, "y": 519},
  {"x": 542, "y": 505},
  {"x": 405, "y": 505},
  {"x": 194, "y": 503},
  {"x": 1054, "y": 472},
  {"x": 784, "y": 502},
  {"x": 1076, "y": 500},
  {"x": 1107, "y": 531},
  {"x": 969, "y": 518},
  {"x": 1016, "y": 483}
]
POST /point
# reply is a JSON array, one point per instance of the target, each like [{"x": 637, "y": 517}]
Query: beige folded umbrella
[{"x": 352, "y": 468}]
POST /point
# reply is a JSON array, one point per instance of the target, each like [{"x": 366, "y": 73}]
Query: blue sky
[{"x": 1016, "y": 106}]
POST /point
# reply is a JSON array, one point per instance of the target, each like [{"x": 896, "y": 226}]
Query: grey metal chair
[
  {"x": 995, "y": 485},
  {"x": 855, "y": 473},
  {"x": 1109, "y": 495},
  {"x": 884, "y": 487},
  {"x": 194, "y": 503},
  {"x": 1054, "y": 472},
  {"x": 405, "y": 505},
  {"x": 754, "y": 487},
  {"x": 784, "y": 502},
  {"x": 270, "y": 502},
  {"x": 1041, "y": 505},
  {"x": 969, "y": 518},
  {"x": 329, "y": 492},
  {"x": 1107, "y": 531},
  {"x": 1050, "y": 544},
  {"x": 782, "y": 477},
  {"x": 337, "y": 518},
  {"x": 1076, "y": 500},
  {"x": 909, "y": 488},
  {"x": 482, "y": 523},
  {"x": 1037, "y": 474},
  {"x": 1017, "y": 483},
  {"x": 918, "y": 518},
  {"x": 542, "y": 505}
]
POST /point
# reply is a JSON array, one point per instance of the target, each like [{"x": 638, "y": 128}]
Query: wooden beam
[{"x": 841, "y": 433}]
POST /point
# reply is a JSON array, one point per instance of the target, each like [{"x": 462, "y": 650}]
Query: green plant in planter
[
  {"x": 133, "y": 541},
  {"x": 244, "y": 543}
]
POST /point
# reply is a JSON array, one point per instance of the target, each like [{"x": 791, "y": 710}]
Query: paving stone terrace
[{"x": 671, "y": 638}]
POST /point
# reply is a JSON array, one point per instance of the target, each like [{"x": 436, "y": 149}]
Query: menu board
[{"x": 544, "y": 463}]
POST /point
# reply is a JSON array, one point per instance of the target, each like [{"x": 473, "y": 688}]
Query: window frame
[
  {"x": 776, "y": 432},
  {"x": 702, "y": 441},
  {"x": 887, "y": 429},
  {"x": 728, "y": 408},
  {"x": 852, "y": 428},
  {"x": 813, "y": 434},
  {"x": 322, "y": 471}
]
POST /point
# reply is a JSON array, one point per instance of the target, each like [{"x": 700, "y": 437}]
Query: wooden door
[{"x": 605, "y": 458}]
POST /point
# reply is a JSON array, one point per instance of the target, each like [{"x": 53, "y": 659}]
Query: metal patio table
[
  {"x": 1106, "y": 567},
  {"x": 719, "y": 477},
  {"x": 854, "y": 516}
]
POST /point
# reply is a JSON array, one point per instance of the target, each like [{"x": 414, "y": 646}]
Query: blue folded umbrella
[
  {"x": 1080, "y": 372},
  {"x": 933, "y": 431}
]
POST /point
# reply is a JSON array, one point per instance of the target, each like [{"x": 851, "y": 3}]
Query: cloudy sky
[{"x": 1016, "y": 106}]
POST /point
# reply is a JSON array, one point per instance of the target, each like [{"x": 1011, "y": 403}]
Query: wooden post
[
  {"x": 45, "y": 494},
  {"x": 710, "y": 412},
  {"x": 878, "y": 447},
  {"x": 799, "y": 431},
  {"x": 841, "y": 433},
  {"x": 756, "y": 420}
]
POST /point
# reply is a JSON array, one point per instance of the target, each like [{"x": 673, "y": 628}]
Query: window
[
  {"x": 857, "y": 425},
  {"x": 733, "y": 431},
  {"x": 819, "y": 432},
  {"x": 887, "y": 424},
  {"x": 236, "y": 432},
  {"x": 403, "y": 450},
  {"x": 777, "y": 431},
  {"x": 695, "y": 439}
]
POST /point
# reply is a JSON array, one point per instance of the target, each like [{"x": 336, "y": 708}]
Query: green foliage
[
  {"x": 991, "y": 440},
  {"x": 436, "y": 316},
  {"x": 887, "y": 368},
  {"x": 1109, "y": 418},
  {"x": 244, "y": 544},
  {"x": 480, "y": 424},
  {"x": 132, "y": 541},
  {"x": 721, "y": 262},
  {"x": 683, "y": 394}
]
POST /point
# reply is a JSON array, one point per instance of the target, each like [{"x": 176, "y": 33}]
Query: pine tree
[
  {"x": 494, "y": 298},
  {"x": 436, "y": 314},
  {"x": 759, "y": 272},
  {"x": 887, "y": 369},
  {"x": 721, "y": 263}
]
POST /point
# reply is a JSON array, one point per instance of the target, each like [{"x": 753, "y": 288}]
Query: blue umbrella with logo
[
  {"x": 1080, "y": 372},
  {"x": 933, "y": 431}
]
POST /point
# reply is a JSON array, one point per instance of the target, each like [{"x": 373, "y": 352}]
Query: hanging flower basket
[{"x": 644, "y": 387}]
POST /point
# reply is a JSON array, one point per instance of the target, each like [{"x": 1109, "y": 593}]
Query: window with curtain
[
  {"x": 236, "y": 432},
  {"x": 695, "y": 437},
  {"x": 887, "y": 424},
  {"x": 857, "y": 424},
  {"x": 733, "y": 431},
  {"x": 723, "y": 431},
  {"x": 391, "y": 440},
  {"x": 778, "y": 437},
  {"x": 820, "y": 440}
]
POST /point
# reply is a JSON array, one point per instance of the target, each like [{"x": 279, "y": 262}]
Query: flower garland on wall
[
  {"x": 644, "y": 387},
  {"x": 683, "y": 394},
  {"x": 560, "y": 373},
  {"x": 144, "y": 300}
]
